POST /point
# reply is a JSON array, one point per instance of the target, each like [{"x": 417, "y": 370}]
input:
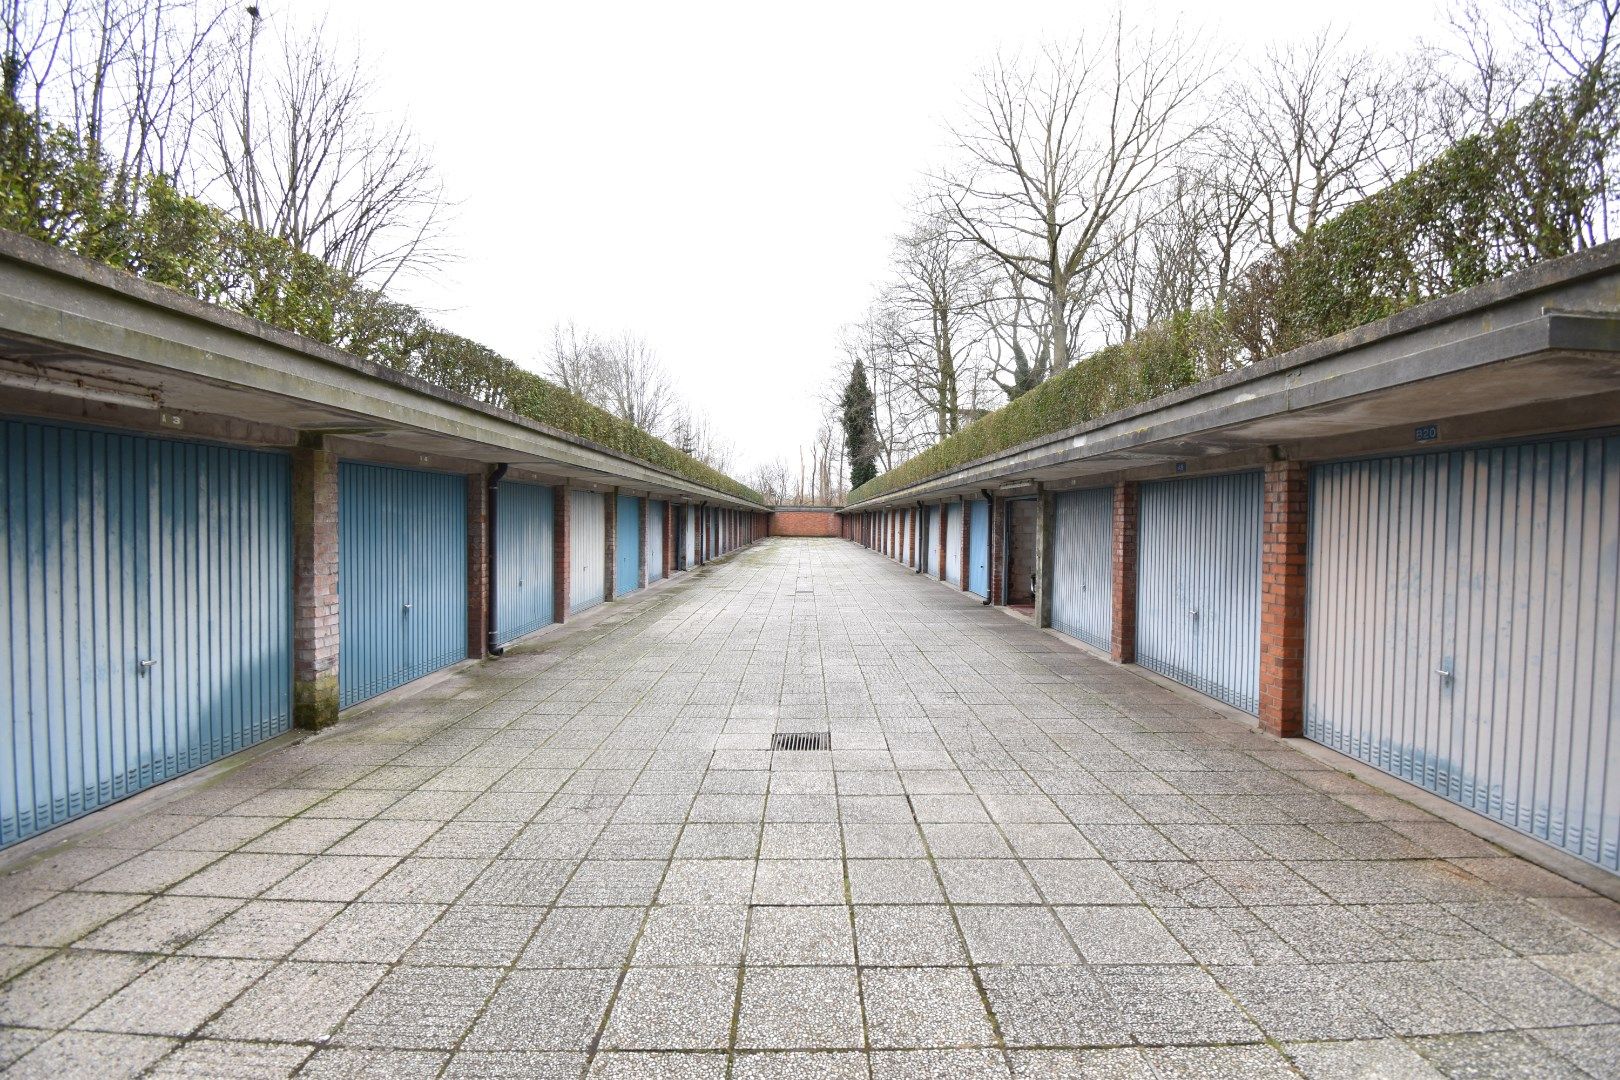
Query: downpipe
[{"x": 490, "y": 503}]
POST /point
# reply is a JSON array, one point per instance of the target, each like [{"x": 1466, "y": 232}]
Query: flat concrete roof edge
[
  {"x": 1543, "y": 277},
  {"x": 52, "y": 259}
]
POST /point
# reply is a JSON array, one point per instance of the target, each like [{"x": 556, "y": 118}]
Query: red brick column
[
  {"x": 641, "y": 573},
  {"x": 610, "y": 544},
  {"x": 315, "y": 584},
  {"x": 967, "y": 537},
  {"x": 1282, "y": 599},
  {"x": 1126, "y": 502},
  {"x": 559, "y": 553},
  {"x": 998, "y": 557},
  {"x": 477, "y": 565},
  {"x": 669, "y": 539}
]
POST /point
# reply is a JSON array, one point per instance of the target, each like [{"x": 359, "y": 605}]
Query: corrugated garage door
[
  {"x": 1462, "y": 630},
  {"x": 402, "y": 576},
  {"x": 1082, "y": 565},
  {"x": 147, "y": 606},
  {"x": 587, "y": 549},
  {"x": 979, "y": 547},
  {"x": 932, "y": 554},
  {"x": 1198, "y": 585},
  {"x": 953, "y": 543},
  {"x": 655, "y": 539},
  {"x": 627, "y": 547},
  {"x": 690, "y": 517},
  {"x": 524, "y": 600}
]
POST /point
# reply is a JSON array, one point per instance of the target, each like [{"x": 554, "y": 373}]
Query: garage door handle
[
  {"x": 1442, "y": 672},
  {"x": 407, "y": 606},
  {"x": 147, "y": 665},
  {"x": 1193, "y": 612}
]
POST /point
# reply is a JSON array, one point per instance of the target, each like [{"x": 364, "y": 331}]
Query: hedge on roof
[
  {"x": 1490, "y": 205},
  {"x": 55, "y": 189}
]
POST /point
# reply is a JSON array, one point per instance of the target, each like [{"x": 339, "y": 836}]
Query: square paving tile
[
  {"x": 924, "y": 1007},
  {"x": 672, "y": 1009},
  {"x": 800, "y": 1008}
]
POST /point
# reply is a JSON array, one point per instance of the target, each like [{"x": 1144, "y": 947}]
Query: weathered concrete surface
[{"x": 583, "y": 859}]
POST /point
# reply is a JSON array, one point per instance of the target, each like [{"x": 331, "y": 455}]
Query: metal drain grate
[{"x": 802, "y": 740}]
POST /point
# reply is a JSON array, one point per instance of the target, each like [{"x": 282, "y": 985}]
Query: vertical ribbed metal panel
[
  {"x": 120, "y": 549},
  {"x": 1082, "y": 565},
  {"x": 655, "y": 539},
  {"x": 953, "y": 543},
  {"x": 402, "y": 576},
  {"x": 979, "y": 548},
  {"x": 1198, "y": 587},
  {"x": 690, "y": 528},
  {"x": 1462, "y": 630},
  {"x": 932, "y": 554},
  {"x": 587, "y": 549},
  {"x": 523, "y": 553},
  {"x": 627, "y": 547}
]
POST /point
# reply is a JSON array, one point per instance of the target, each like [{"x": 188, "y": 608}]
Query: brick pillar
[
  {"x": 315, "y": 583},
  {"x": 1122, "y": 646},
  {"x": 998, "y": 556},
  {"x": 1282, "y": 599},
  {"x": 669, "y": 539},
  {"x": 560, "y": 540},
  {"x": 641, "y": 578},
  {"x": 967, "y": 537},
  {"x": 1045, "y": 556},
  {"x": 610, "y": 544},
  {"x": 477, "y": 565}
]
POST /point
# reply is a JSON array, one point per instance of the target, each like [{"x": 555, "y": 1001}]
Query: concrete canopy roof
[
  {"x": 1533, "y": 353},
  {"x": 74, "y": 330}
]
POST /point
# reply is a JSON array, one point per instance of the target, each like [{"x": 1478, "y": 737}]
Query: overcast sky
[{"x": 723, "y": 180}]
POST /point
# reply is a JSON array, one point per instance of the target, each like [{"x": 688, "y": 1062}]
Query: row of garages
[
  {"x": 172, "y": 598},
  {"x": 1448, "y": 616},
  {"x": 150, "y": 599}
]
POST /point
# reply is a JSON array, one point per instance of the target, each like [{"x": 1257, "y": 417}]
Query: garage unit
[
  {"x": 931, "y": 557},
  {"x": 656, "y": 509},
  {"x": 402, "y": 576},
  {"x": 953, "y": 543},
  {"x": 1198, "y": 599},
  {"x": 587, "y": 550},
  {"x": 978, "y": 525},
  {"x": 627, "y": 546},
  {"x": 524, "y": 599},
  {"x": 1461, "y": 630},
  {"x": 1082, "y": 545},
  {"x": 147, "y": 609}
]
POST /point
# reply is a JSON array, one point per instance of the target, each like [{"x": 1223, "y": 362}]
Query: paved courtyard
[{"x": 584, "y": 859}]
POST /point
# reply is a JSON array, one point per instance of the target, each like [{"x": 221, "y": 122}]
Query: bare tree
[
  {"x": 301, "y": 155},
  {"x": 621, "y": 375},
  {"x": 930, "y": 326},
  {"x": 1322, "y": 126},
  {"x": 1057, "y": 150},
  {"x": 128, "y": 77}
]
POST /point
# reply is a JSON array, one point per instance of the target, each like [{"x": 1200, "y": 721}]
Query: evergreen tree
[{"x": 860, "y": 427}]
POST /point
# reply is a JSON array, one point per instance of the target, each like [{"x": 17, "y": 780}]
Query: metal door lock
[{"x": 1193, "y": 612}]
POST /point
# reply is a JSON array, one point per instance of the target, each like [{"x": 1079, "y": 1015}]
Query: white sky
[{"x": 721, "y": 179}]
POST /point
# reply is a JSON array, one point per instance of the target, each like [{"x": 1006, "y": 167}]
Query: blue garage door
[
  {"x": 524, "y": 600},
  {"x": 979, "y": 547},
  {"x": 1082, "y": 565},
  {"x": 655, "y": 540},
  {"x": 147, "y": 608},
  {"x": 1198, "y": 585},
  {"x": 402, "y": 576},
  {"x": 627, "y": 547}
]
